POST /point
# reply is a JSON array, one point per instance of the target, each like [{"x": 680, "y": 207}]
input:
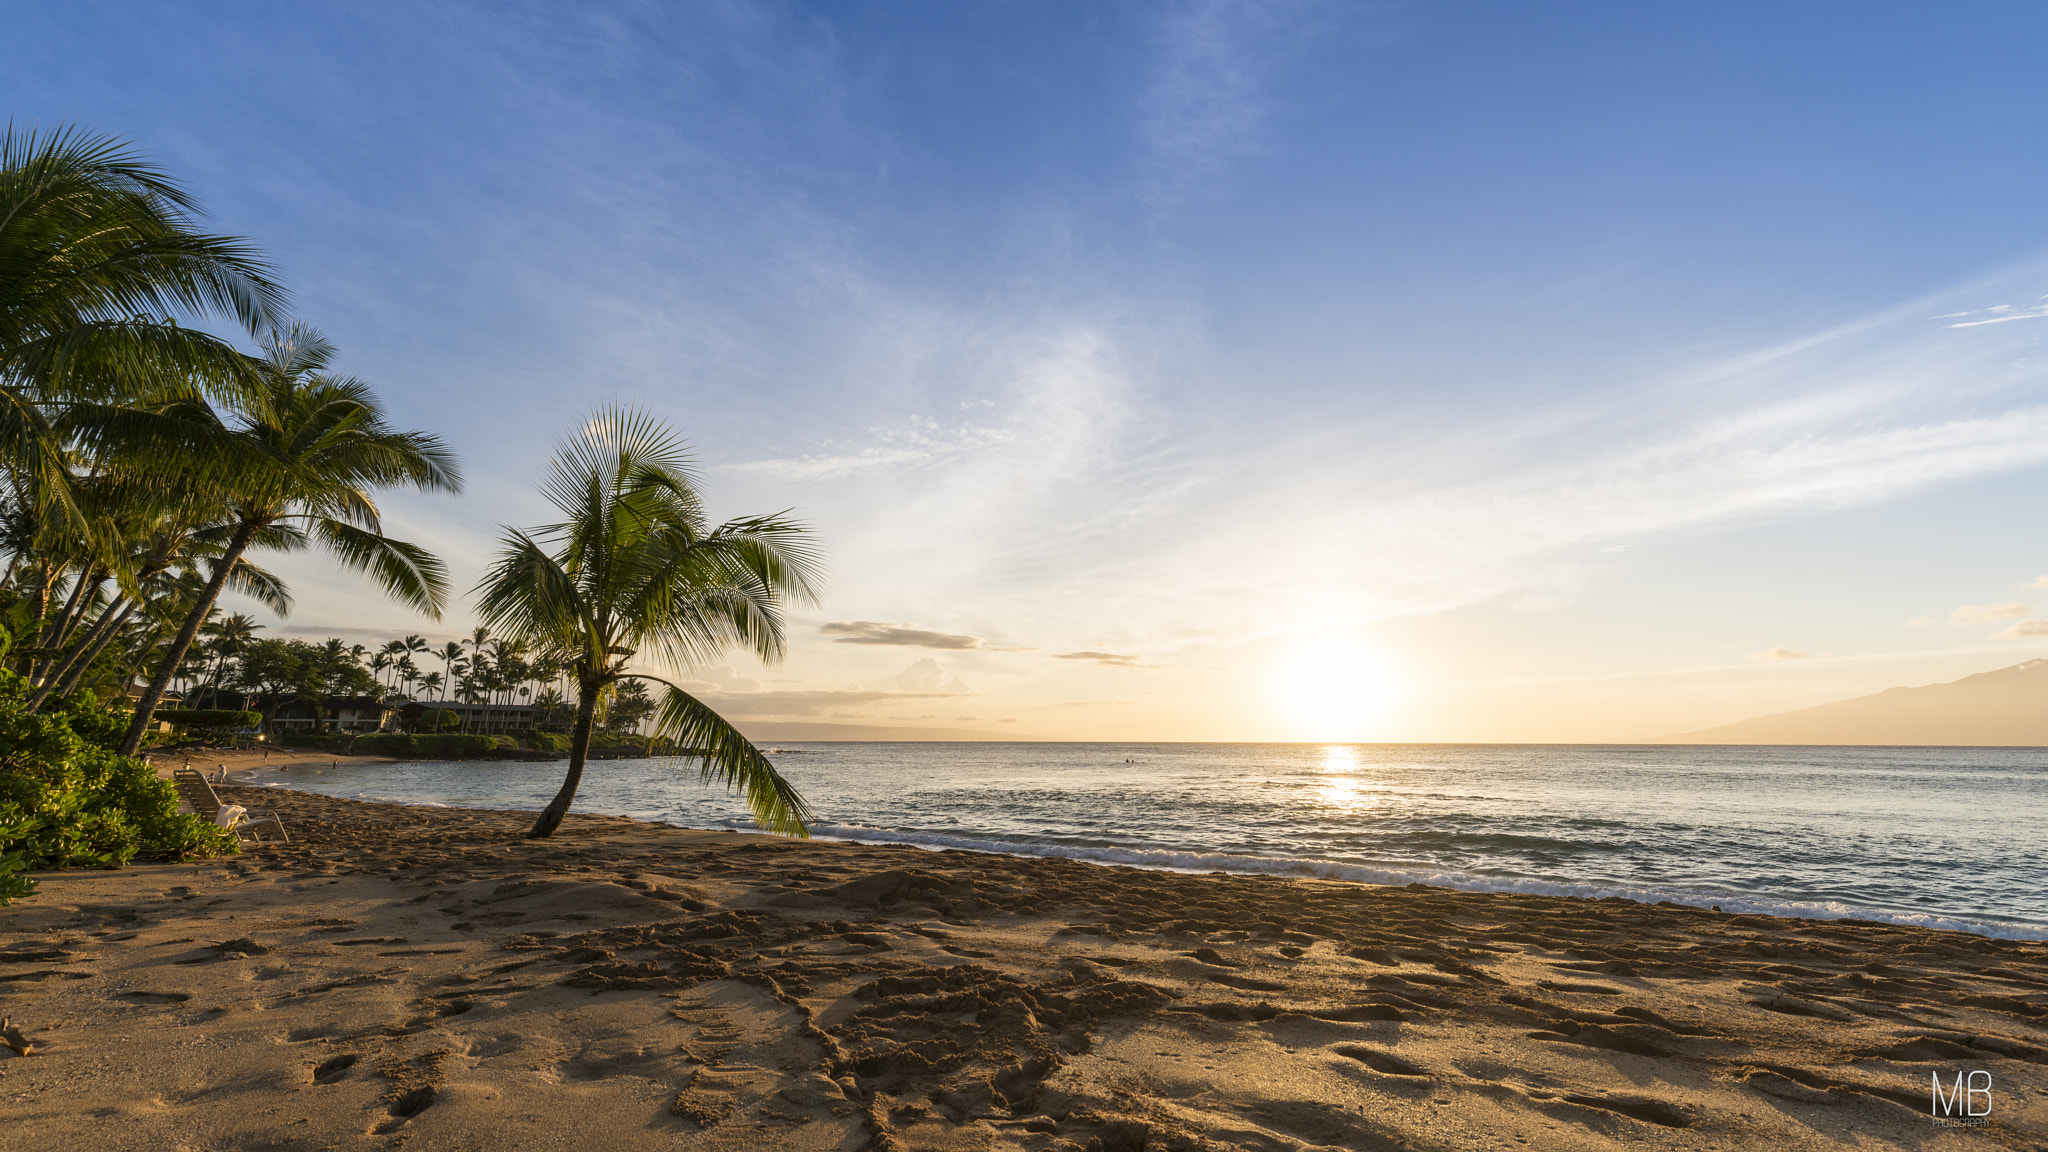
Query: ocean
[{"x": 1940, "y": 837}]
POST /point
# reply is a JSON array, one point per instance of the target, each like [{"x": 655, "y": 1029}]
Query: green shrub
[
  {"x": 68, "y": 801},
  {"x": 436, "y": 719},
  {"x": 428, "y": 746},
  {"x": 208, "y": 721},
  {"x": 319, "y": 741}
]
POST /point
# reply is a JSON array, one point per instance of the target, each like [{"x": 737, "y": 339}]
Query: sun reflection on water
[{"x": 1341, "y": 785}]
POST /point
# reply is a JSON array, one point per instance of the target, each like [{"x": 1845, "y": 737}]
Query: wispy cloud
[
  {"x": 1990, "y": 611},
  {"x": 926, "y": 677},
  {"x": 925, "y": 440},
  {"x": 1204, "y": 104},
  {"x": 1859, "y": 414},
  {"x": 2025, "y": 630},
  {"x": 904, "y": 636},
  {"x": 1996, "y": 314},
  {"x": 770, "y": 705},
  {"x": 1770, "y": 655},
  {"x": 1106, "y": 659}
]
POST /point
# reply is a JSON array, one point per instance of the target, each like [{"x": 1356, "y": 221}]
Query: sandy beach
[
  {"x": 423, "y": 977},
  {"x": 241, "y": 760}
]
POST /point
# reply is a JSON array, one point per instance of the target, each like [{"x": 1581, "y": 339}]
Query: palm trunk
[
  {"x": 579, "y": 750},
  {"x": 60, "y": 627},
  {"x": 39, "y": 603},
  {"x": 146, "y": 707},
  {"x": 74, "y": 617},
  {"x": 92, "y": 654},
  {"x": 63, "y": 678},
  {"x": 220, "y": 667}
]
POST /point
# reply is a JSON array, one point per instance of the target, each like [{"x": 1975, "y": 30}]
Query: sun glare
[{"x": 1333, "y": 690}]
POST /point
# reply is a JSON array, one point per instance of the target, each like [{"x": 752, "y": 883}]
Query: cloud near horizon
[
  {"x": 2004, "y": 611},
  {"x": 1774, "y": 654},
  {"x": 1106, "y": 659},
  {"x": 2025, "y": 630},
  {"x": 902, "y": 635},
  {"x": 769, "y": 705}
]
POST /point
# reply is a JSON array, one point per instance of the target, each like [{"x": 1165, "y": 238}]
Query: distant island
[{"x": 2006, "y": 707}]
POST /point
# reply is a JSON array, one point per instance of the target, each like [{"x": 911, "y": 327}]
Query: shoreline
[
  {"x": 425, "y": 973},
  {"x": 1192, "y": 863}
]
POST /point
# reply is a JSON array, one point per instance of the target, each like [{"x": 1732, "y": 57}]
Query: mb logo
[{"x": 1968, "y": 1099}]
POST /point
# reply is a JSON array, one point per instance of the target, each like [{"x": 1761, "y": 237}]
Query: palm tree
[
  {"x": 97, "y": 250},
  {"x": 229, "y": 637},
  {"x": 635, "y": 565},
  {"x": 545, "y": 705},
  {"x": 304, "y": 453},
  {"x": 449, "y": 654}
]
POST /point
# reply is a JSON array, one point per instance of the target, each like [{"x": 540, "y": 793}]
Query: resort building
[
  {"x": 487, "y": 719},
  {"x": 336, "y": 713},
  {"x": 133, "y": 694}
]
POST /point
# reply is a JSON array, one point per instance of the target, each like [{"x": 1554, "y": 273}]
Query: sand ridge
[{"x": 421, "y": 977}]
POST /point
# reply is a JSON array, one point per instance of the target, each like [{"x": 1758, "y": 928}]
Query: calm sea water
[{"x": 1942, "y": 837}]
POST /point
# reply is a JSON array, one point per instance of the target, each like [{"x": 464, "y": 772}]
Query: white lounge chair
[{"x": 199, "y": 796}]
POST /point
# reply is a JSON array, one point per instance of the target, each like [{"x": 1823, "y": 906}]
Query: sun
[{"x": 1334, "y": 690}]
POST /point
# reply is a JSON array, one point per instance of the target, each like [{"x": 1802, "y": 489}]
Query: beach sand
[
  {"x": 424, "y": 978},
  {"x": 241, "y": 761}
]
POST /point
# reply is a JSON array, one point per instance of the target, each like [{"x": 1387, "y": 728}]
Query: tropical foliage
[
  {"x": 206, "y": 722},
  {"x": 146, "y": 465},
  {"x": 143, "y": 463},
  {"x": 67, "y": 800},
  {"x": 635, "y": 566}
]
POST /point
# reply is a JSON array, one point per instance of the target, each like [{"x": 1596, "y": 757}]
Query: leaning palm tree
[
  {"x": 300, "y": 461},
  {"x": 634, "y": 565}
]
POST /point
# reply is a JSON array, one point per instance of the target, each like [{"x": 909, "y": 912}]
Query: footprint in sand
[
  {"x": 405, "y": 1108},
  {"x": 333, "y": 1070},
  {"x": 1380, "y": 1060}
]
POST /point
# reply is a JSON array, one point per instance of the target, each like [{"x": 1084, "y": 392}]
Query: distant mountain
[
  {"x": 2009, "y": 706},
  {"x": 797, "y": 732}
]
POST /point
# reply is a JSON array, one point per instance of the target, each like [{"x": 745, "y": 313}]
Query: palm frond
[
  {"x": 726, "y": 757},
  {"x": 408, "y": 573}
]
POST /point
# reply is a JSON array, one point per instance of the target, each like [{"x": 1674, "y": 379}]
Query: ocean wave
[{"x": 1177, "y": 861}]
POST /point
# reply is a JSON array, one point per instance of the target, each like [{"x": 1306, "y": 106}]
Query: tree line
[{"x": 232, "y": 667}]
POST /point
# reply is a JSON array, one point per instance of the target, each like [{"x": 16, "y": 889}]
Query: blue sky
[{"x": 1326, "y": 371}]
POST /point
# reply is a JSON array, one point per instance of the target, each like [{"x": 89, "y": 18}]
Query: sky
[{"x": 1464, "y": 371}]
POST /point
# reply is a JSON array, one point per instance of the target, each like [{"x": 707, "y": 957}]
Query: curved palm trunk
[
  {"x": 579, "y": 750},
  {"x": 66, "y": 676},
  {"x": 39, "y": 600},
  {"x": 146, "y": 707},
  {"x": 59, "y": 629},
  {"x": 92, "y": 654}
]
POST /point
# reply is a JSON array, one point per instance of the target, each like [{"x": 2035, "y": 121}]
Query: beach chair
[{"x": 199, "y": 796}]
